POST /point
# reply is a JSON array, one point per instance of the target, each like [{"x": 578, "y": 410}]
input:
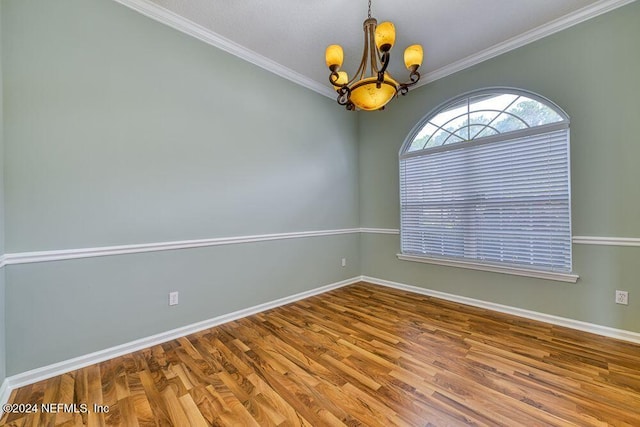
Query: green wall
[
  {"x": 591, "y": 71},
  {"x": 2, "y": 283},
  {"x": 120, "y": 130},
  {"x": 3, "y": 350}
]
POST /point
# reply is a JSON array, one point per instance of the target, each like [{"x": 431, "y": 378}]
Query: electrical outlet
[
  {"x": 622, "y": 297},
  {"x": 344, "y": 262},
  {"x": 173, "y": 298}
]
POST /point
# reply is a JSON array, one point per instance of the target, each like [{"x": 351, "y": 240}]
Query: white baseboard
[
  {"x": 606, "y": 331},
  {"x": 39, "y": 374},
  {"x": 45, "y": 372}
]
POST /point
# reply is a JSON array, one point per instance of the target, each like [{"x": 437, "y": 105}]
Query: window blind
[{"x": 505, "y": 202}]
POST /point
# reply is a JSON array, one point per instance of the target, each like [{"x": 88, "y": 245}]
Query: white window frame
[{"x": 470, "y": 262}]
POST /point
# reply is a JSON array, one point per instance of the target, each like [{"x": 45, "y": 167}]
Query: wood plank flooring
[{"x": 359, "y": 355}]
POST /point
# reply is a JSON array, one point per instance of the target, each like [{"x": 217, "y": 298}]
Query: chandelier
[{"x": 372, "y": 87}]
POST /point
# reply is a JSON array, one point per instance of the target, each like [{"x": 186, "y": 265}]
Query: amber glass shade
[
  {"x": 413, "y": 56},
  {"x": 366, "y": 96},
  {"x": 334, "y": 56},
  {"x": 385, "y": 36},
  {"x": 343, "y": 78}
]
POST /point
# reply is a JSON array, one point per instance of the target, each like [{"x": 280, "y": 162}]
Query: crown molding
[
  {"x": 557, "y": 25},
  {"x": 177, "y": 22},
  {"x": 173, "y": 20}
]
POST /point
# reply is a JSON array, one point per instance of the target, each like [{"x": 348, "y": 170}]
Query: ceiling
[{"x": 289, "y": 37}]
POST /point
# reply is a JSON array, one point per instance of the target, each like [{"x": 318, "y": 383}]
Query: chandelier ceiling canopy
[{"x": 372, "y": 87}]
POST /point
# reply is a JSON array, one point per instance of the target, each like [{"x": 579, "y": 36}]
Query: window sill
[{"x": 549, "y": 275}]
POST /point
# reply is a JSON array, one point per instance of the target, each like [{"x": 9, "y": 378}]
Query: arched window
[{"x": 484, "y": 180}]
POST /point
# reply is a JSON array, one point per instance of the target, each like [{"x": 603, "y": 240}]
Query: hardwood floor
[{"x": 359, "y": 355}]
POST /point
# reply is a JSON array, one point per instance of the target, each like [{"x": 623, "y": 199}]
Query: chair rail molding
[{"x": 64, "y": 254}]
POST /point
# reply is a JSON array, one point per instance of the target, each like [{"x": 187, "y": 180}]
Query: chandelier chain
[{"x": 369, "y": 9}]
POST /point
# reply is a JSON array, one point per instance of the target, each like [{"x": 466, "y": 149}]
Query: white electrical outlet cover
[
  {"x": 173, "y": 298},
  {"x": 622, "y": 297}
]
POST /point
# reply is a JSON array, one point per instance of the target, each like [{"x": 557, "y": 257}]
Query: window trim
[
  {"x": 494, "y": 268},
  {"x": 489, "y": 90},
  {"x": 570, "y": 277},
  {"x": 488, "y": 139}
]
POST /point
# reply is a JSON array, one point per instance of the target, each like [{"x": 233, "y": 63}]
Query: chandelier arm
[
  {"x": 414, "y": 77},
  {"x": 333, "y": 78},
  {"x": 373, "y": 50},
  {"x": 362, "y": 68},
  {"x": 377, "y": 63},
  {"x": 344, "y": 93},
  {"x": 385, "y": 63},
  {"x": 380, "y": 56}
]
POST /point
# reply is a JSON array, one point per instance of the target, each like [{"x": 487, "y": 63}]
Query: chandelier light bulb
[
  {"x": 334, "y": 57},
  {"x": 385, "y": 36},
  {"x": 413, "y": 56}
]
